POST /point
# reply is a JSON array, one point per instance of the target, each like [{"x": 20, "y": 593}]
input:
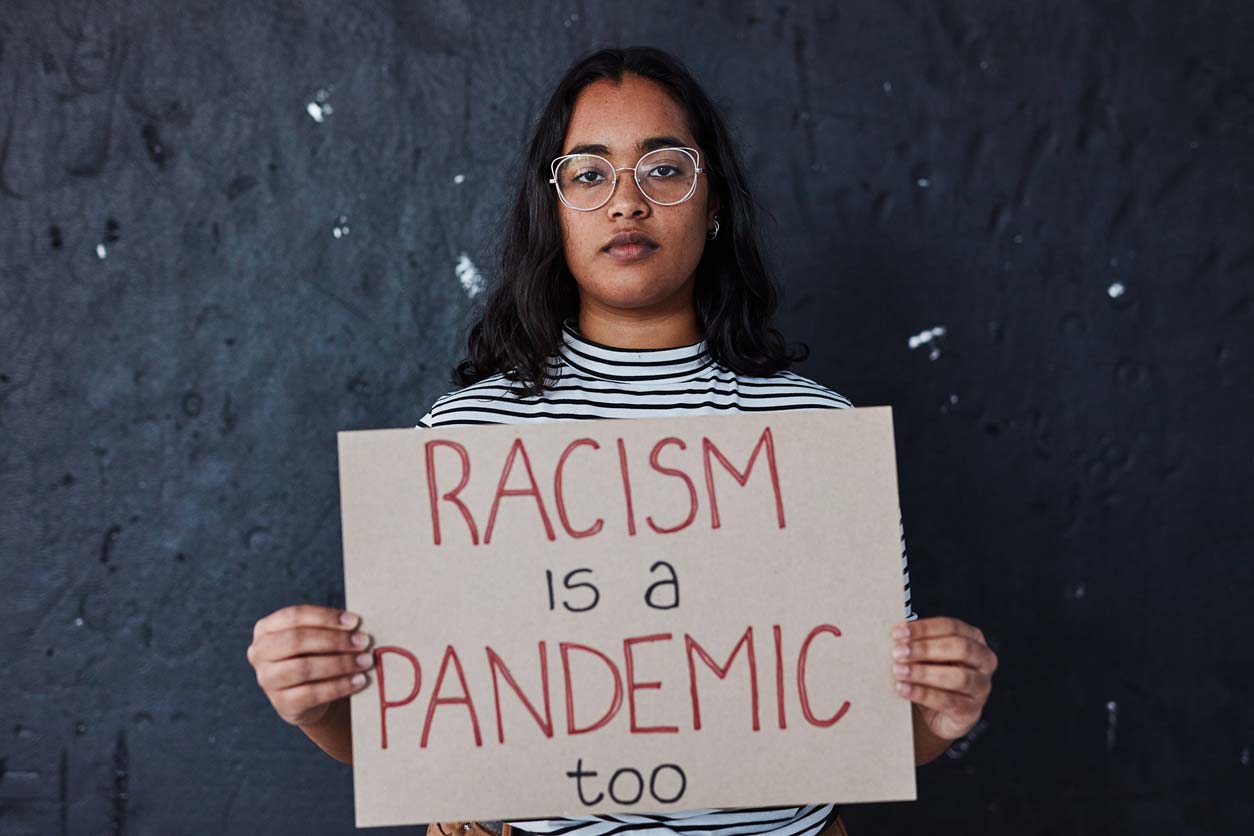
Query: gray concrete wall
[{"x": 229, "y": 230}]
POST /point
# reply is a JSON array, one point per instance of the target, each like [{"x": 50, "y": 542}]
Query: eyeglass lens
[{"x": 665, "y": 176}]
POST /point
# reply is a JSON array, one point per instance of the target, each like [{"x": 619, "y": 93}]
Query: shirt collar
[{"x": 642, "y": 365}]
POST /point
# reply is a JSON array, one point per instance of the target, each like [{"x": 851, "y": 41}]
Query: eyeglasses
[{"x": 666, "y": 176}]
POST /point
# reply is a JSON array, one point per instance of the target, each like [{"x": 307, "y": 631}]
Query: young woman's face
[{"x": 623, "y": 117}]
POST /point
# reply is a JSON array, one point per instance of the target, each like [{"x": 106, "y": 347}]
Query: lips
[
  {"x": 629, "y": 246},
  {"x": 631, "y": 241}
]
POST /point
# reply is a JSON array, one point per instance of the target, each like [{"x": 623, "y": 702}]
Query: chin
[{"x": 629, "y": 290}]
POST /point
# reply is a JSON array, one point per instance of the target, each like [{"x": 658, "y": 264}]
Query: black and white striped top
[{"x": 600, "y": 381}]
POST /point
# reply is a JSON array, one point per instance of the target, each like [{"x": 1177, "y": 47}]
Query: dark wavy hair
[{"x": 519, "y": 326}]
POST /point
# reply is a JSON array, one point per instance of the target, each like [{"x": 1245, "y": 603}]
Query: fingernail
[
  {"x": 898, "y": 670},
  {"x": 349, "y": 619},
  {"x": 902, "y": 688},
  {"x": 359, "y": 679},
  {"x": 901, "y": 631},
  {"x": 364, "y": 660},
  {"x": 360, "y": 640},
  {"x": 901, "y": 651}
]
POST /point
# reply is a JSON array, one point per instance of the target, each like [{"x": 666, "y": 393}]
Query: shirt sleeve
[
  {"x": 911, "y": 615},
  {"x": 428, "y": 420}
]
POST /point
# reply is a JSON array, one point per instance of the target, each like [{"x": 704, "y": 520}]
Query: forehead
[{"x": 622, "y": 119}]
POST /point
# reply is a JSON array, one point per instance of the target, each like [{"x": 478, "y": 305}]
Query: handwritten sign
[{"x": 645, "y": 615}]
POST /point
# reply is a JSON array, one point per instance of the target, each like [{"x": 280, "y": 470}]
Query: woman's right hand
[{"x": 307, "y": 657}]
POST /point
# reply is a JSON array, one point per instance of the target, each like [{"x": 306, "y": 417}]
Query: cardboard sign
[{"x": 643, "y": 615}]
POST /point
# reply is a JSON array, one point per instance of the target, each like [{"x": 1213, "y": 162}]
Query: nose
[{"x": 627, "y": 197}]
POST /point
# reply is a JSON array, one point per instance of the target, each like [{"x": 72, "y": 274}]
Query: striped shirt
[{"x": 592, "y": 381}]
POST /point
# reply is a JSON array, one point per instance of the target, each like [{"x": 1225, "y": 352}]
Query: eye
[
  {"x": 657, "y": 168},
  {"x": 582, "y": 174}
]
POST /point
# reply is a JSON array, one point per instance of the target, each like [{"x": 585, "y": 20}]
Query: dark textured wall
[{"x": 228, "y": 230}]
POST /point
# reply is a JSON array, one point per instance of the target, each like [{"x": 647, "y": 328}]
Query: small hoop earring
[{"x": 710, "y": 236}]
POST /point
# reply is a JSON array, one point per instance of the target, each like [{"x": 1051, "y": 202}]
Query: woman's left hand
[{"x": 946, "y": 668}]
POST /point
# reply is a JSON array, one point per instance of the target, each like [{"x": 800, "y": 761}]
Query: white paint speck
[
  {"x": 341, "y": 227},
  {"x": 1112, "y": 720},
  {"x": 1115, "y": 290},
  {"x": 1018, "y": 239},
  {"x": 888, "y": 87},
  {"x": 923, "y": 182},
  {"x": 469, "y": 276},
  {"x": 1076, "y": 592},
  {"x": 1245, "y": 756},
  {"x": 928, "y": 336},
  {"x": 983, "y": 65},
  {"x": 320, "y": 107},
  {"x": 101, "y": 252},
  {"x": 459, "y": 179},
  {"x": 78, "y": 622}
]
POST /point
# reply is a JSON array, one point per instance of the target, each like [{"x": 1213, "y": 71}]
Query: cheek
[
  {"x": 686, "y": 233},
  {"x": 694, "y": 216},
  {"x": 577, "y": 238}
]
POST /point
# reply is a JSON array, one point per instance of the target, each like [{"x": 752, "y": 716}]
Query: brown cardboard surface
[{"x": 810, "y": 558}]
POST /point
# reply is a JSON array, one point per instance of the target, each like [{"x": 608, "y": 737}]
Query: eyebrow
[{"x": 650, "y": 144}]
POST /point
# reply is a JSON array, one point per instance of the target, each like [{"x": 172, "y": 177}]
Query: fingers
[
  {"x": 957, "y": 678},
  {"x": 300, "y": 641},
  {"x": 940, "y": 625},
  {"x": 307, "y": 657},
  {"x": 943, "y": 639},
  {"x": 959, "y": 649},
  {"x": 948, "y": 703},
  {"x": 288, "y": 673},
  {"x": 306, "y": 615},
  {"x": 295, "y": 703}
]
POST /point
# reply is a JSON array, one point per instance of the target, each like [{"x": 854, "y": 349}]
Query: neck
[{"x": 639, "y": 329}]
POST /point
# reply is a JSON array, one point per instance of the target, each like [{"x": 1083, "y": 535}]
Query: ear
[{"x": 713, "y": 208}]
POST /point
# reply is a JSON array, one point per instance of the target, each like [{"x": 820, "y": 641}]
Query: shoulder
[
  {"x": 787, "y": 389},
  {"x": 452, "y": 407}
]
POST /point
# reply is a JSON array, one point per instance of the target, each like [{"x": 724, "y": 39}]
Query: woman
[{"x": 627, "y": 295}]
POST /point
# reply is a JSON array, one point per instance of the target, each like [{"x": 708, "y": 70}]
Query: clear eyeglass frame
[{"x": 696, "y": 172}]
